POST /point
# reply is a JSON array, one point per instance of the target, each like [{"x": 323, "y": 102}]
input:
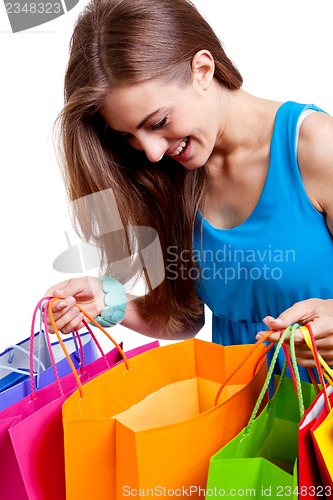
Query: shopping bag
[
  {"x": 313, "y": 479},
  {"x": 164, "y": 442},
  {"x": 261, "y": 461},
  {"x": 15, "y": 369},
  {"x": 31, "y": 433},
  {"x": 14, "y": 361},
  {"x": 322, "y": 435}
]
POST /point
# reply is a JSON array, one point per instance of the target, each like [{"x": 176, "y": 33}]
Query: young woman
[{"x": 238, "y": 188}]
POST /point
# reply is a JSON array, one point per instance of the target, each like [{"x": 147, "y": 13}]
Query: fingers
[
  {"x": 65, "y": 289},
  {"x": 66, "y": 315},
  {"x": 86, "y": 292},
  {"x": 301, "y": 312},
  {"x": 276, "y": 334},
  {"x": 306, "y": 359},
  {"x": 321, "y": 325},
  {"x": 322, "y": 328},
  {"x": 72, "y": 320},
  {"x": 304, "y": 356}
]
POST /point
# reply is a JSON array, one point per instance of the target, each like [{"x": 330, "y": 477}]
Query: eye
[
  {"x": 160, "y": 124},
  {"x": 125, "y": 135}
]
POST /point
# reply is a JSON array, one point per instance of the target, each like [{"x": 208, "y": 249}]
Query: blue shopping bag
[{"x": 15, "y": 364}]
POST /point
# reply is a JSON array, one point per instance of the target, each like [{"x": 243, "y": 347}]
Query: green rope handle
[
  {"x": 296, "y": 372},
  {"x": 291, "y": 331}
]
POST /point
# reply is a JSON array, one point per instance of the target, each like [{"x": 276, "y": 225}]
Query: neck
[{"x": 245, "y": 122}]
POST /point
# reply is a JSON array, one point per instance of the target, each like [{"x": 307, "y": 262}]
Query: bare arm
[
  {"x": 87, "y": 292},
  {"x": 315, "y": 158}
]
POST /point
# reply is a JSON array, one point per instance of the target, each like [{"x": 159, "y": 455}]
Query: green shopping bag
[{"x": 261, "y": 460}]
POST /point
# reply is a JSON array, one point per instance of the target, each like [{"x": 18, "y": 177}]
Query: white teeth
[{"x": 180, "y": 148}]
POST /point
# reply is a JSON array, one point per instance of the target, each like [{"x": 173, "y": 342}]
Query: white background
[{"x": 283, "y": 49}]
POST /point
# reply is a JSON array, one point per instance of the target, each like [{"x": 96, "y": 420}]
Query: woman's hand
[
  {"x": 318, "y": 314},
  {"x": 86, "y": 292}
]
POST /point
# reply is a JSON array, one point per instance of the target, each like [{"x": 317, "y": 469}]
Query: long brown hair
[{"x": 117, "y": 43}]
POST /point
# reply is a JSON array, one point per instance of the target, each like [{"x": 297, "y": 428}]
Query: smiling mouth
[{"x": 181, "y": 148}]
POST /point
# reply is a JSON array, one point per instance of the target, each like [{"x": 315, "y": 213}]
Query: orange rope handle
[
  {"x": 61, "y": 342},
  {"x": 92, "y": 320},
  {"x": 255, "y": 346}
]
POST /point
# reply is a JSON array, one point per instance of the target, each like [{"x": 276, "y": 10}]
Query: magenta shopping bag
[{"x": 31, "y": 434}]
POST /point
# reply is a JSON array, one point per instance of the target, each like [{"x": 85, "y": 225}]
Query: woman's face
[{"x": 161, "y": 119}]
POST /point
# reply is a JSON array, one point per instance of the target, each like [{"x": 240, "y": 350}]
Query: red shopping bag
[
  {"x": 31, "y": 434},
  {"x": 322, "y": 437},
  {"x": 313, "y": 477}
]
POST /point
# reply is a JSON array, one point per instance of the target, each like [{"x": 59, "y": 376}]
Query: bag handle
[
  {"x": 321, "y": 364},
  {"x": 11, "y": 369},
  {"x": 16, "y": 347},
  {"x": 291, "y": 331},
  {"x": 42, "y": 306},
  {"x": 92, "y": 320},
  {"x": 32, "y": 336},
  {"x": 311, "y": 343},
  {"x": 309, "y": 338},
  {"x": 293, "y": 367},
  {"x": 244, "y": 360},
  {"x": 77, "y": 339},
  {"x": 43, "y": 309},
  {"x": 40, "y": 364}
]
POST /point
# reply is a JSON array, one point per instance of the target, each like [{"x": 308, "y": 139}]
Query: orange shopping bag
[{"x": 150, "y": 428}]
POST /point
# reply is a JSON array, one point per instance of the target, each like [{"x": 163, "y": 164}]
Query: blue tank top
[{"x": 282, "y": 253}]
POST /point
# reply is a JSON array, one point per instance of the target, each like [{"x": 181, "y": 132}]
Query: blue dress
[{"x": 282, "y": 253}]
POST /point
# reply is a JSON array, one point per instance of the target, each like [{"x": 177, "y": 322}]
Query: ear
[{"x": 203, "y": 68}]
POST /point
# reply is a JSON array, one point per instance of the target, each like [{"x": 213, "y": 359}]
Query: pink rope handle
[
  {"x": 289, "y": 363},
  {"x": 46, "y": 310},
  {"x": 97, "y": 343},
  {"x": 92, "y": 320},
  {"x": 77, "y": 337},
  {"x": 32, "y": 337},
  {"x": 313, "y": 380}
]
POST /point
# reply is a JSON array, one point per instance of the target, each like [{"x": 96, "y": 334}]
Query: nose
[{"x": 153, "y": 146}]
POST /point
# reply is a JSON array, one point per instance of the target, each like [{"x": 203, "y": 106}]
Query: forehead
[{"x": 127, "y": 105}]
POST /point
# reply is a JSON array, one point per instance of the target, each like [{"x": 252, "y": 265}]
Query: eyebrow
[{"x": 148, "y": 117}]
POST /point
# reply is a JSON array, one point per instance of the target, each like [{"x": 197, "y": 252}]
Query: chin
[
  {"x": 195, "y": 163},
  {"x": 192, "y": 166}
]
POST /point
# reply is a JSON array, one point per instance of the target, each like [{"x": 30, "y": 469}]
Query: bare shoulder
[{"x": 315, "y": 158}]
